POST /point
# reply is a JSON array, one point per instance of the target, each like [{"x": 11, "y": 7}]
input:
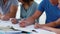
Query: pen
[
  {"x": 34, "y": 31},
  {"x": 14, "y": 29}
]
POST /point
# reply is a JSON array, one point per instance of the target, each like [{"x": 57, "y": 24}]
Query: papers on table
[
  {"x": 27, "y": 29},
  {"x": 38, "y": 31}
]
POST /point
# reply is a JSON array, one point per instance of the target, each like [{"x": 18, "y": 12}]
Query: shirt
[
  {"x": 30, "y": 11},
  {"x": 6, "y": 7},
  {"x": 52, "y": 11}
]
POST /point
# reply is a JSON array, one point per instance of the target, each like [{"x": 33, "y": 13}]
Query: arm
[
  {"x": 54, "y": 24},
  {"x": 57, "y": 31},
  {"x": 36, "y": 15},
  {"x": 31, "y": 19},
  {"x": 0, "y": 15},
  {"x": 13, "y": 10},
  {"x": 51, "y": 24},
  {"x": 11, "y": 14}
]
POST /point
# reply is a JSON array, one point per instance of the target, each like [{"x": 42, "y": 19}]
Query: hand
[
  {"x": 4, "y": 17},
  {"x": 26, "y": 22},
  {"x": 13, "y": 20},
  {"x": 39, "y": 25},
  {"x": 23, "y": 24}
]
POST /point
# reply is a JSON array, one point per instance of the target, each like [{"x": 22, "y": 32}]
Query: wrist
[
  {"x": 33, "y": 18},
  {"x": 0, "y": 16}
]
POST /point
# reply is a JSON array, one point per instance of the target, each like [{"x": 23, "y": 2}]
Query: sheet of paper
[
  {"x": 28, "y": 28},
  {"x": 31, "y": 27}
]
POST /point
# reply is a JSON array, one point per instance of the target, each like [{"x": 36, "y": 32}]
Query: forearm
[
  {"x": 30, "y": 20},
  {"x": 51, "y": 24},
  {"x": 54, "y": 24},
  {"x": 57, "y": 31},
  {"x": 11, "y": 15},
  {"x": 37, "y": 14},
  {"x": 13, "y": 10},
  {"x": 0, "y": 16}
]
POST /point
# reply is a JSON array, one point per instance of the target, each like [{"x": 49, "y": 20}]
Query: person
[
  {"x": 28, "y": 8},
  {"x": 51, "y": 8},
  {"x": 8, "y": 9}
]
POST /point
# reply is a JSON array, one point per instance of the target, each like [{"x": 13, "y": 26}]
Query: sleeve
[
  {"x": 41, "y": 6},
  {"x": 14, "y": 2}
]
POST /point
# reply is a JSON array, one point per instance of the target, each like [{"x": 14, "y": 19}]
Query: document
[{"x": 27, "y": 29}]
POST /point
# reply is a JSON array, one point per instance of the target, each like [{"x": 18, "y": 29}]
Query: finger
[
  {"x": 36, "y": 26},
  {"x": 22, "y": 24},
  {"x": 13, "y": 21},
  {"x": 5, "y": 18}
]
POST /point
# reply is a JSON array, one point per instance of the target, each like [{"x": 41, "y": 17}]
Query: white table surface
[{"x": 28, "y": 28}]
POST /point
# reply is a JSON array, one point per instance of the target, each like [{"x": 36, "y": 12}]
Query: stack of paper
[{"x": 27, "y": 29}]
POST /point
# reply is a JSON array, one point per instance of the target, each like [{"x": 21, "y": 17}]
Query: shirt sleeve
[
  {"x": 41, "y": 6},
  {"x": 14, "y": 2}
]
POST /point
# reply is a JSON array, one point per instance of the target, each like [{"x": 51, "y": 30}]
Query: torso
[
  {"x": 29, "y": 12},
  {"x": 52, "y": 12}
]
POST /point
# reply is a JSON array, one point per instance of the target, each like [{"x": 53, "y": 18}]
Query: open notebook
[{"x": 27, "y": 29}]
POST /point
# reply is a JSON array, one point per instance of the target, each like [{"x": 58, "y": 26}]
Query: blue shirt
[
  {"x": 6, "y": 8},
  {"x": 52, "y": 12}
]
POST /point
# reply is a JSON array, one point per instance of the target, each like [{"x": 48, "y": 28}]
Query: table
[{"x": 27, "y": 29}]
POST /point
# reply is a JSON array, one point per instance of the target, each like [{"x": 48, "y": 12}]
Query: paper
[{"x": 28, "y": 28}]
